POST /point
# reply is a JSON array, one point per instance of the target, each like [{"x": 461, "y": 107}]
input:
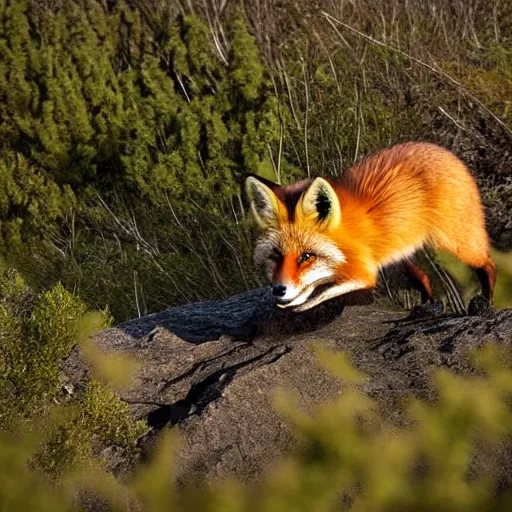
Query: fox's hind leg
[
  {"x": 481, "y": 305},
  {"x": 486, "y": 274},
  {"x": 484, "y": 267},
  {"x": 485, "y": 270},
  {"x": 420, "y": 281},
  {"x": 471, "y": 246}
]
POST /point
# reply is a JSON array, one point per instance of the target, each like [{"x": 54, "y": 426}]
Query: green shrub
[
  {"x": 99, "y": 101},
  {"x": 36, "y": 332},
  {"x": 97, "y": 419}
]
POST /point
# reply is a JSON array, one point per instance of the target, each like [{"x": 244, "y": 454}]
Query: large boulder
[{"x": 210, "y": 368}]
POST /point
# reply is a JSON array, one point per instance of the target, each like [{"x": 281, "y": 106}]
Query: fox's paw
[
  {"x": 480, "y": 306},
  {"x": 426, "y": 310}
]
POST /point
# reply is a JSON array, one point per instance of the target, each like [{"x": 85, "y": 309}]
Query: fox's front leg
[{"x": 363, "y": 282}]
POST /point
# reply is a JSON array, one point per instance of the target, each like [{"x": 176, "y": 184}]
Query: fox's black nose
[{"x": 279, "y": 290}]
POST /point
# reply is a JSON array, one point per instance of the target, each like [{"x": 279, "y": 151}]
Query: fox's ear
[
  {"x": 320, "y": 203},
  {"x": 265, "y": 205}
]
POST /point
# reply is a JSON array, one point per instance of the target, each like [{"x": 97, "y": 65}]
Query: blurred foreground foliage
[
  {"x": 126, "y": 127},
  {"x": 451, "y": 454}
]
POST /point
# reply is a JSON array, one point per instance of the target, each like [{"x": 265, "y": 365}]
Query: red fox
[{"x": 322, "y": 238}]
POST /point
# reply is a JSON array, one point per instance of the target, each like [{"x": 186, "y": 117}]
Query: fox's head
[{"x": 295, "y": 246}]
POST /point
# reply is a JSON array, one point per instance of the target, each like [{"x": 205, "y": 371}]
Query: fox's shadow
[{"x": 242, "y": 317}]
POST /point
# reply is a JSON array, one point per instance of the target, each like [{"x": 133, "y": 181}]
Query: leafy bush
[{"x": 36, "y": 332}]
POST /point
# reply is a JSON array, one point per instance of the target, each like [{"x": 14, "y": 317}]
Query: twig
[
  {"x": 460, "y": 127},
  {"x": 306, "y": 115},
  {"x": 274, "y": 166},
  {"x": 357, "y": 113},
  {"x": 289, "y": 91},
  {"x": 183, "y": 87},
  {"x": 281, "y": 130},
  {"x": 216, "y": 42},
  {"x": 136, "y": 294}
]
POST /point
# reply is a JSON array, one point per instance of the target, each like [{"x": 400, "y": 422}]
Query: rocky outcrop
[{"x": 210, "y": 368}]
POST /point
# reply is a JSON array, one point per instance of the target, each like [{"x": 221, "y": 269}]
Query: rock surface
[{"x": 210, "y": 368}]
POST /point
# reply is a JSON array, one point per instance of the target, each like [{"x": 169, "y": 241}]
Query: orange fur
[
  {"x": 407, "y": 196},
  {"x": 392, "y": 204}
]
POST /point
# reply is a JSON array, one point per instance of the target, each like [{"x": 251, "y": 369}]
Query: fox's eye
[{"x": 305, "y": 256}]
